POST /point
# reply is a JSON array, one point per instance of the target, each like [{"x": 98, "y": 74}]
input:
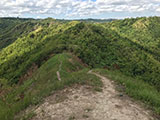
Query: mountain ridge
[{"x": 128, "y": 47}]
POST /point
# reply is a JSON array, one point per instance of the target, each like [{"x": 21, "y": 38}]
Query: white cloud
[{"x": 75, "y": 8}]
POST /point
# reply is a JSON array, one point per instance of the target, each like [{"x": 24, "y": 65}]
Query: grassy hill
[
  {"x": 43, "y": 82},
  {"x": 129, "y": 46}
]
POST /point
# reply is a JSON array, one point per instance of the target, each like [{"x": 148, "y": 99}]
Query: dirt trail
[
  {"x": 80, "y": 103},
  {"x": 58, "y": 72}
]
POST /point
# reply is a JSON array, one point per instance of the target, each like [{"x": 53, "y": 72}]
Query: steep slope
[
  {"x": 8, "y": 23},
  {"x": 143, "y": 31},
  {"x": 95, "y": 45},
  {"x": 99, "y": 45},
  {"x": 43, "y": 82},
  {"x": 33, "y": 48},
  {"x": 12, "y": 28}
]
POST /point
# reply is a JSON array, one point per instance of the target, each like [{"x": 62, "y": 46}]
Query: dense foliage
[
  {"x": 100, "y": 47},
  {"x": 19, "y": 56},
  {"x": 130, "y": 46},
  {"x": 143, "y": 31},
  {"x": 96, "y": 44},
  {"x": 13, "y": 28}
]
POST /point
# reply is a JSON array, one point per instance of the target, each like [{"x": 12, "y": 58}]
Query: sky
[{"x": 79, "y": 9}]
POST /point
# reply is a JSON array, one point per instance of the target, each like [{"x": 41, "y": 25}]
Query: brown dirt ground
[{"x": 82, "y": 103}]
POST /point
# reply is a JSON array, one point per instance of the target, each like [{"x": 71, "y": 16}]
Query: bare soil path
[{"x": 81, "y": 103}]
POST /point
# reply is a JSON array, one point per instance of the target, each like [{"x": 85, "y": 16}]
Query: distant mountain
[
  {"x": 12, "y": 28},
  {"x": 97, "y": 20}
]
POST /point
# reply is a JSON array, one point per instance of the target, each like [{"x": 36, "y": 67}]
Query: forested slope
[
  {"x": 143, "y": 31},
  {"x": 19, "y": 56},
  {"x": 129, "y": 46},
  {"x": 100, "y": 47},
  {"x": 13, "y": 28},
  {"x": 95, "y": 45}
]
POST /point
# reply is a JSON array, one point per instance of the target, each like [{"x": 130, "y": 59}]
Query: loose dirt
[{"x": 82, "y": 103}]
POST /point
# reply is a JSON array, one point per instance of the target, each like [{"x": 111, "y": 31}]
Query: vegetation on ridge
[
  {"x": 130, "y": 46},
  {"x": 44, "y": 82}
]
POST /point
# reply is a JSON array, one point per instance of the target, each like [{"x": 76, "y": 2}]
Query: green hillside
[
  {"x": 13, "y": 28},
  {"x": 129, "y": 47},
  {"x": 143, "y": 31},
  {"x": 100, "y": 47},
  {"x": 33, "y": 48},
  {"x": 43, "y": 82}
]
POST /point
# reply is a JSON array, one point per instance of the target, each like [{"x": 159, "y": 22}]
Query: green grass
[
  {"x": 135, "y": 88},
  {"x": 44, "y": 82},
  {"x": 130, "y": 45}
]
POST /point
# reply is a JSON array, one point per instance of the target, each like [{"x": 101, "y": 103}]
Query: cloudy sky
[{"x": 75, "y": 9}]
